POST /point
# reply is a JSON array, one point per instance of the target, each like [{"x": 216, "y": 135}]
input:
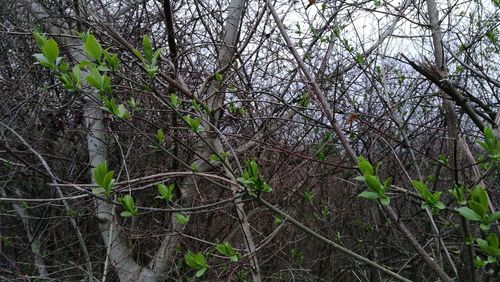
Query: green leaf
[
  {"x": 166, "y": 192},
  {"x": 421, "y": 188},
  {"x": 194, "y": 167},
  {"x": 194, "y": 123},
  {"x": 360, "y": 178},
  {"x": 196, "y": 261},
  {"x": 98, "y": 190},
  {"x": 51, "y": 50},
  {"x": 106, "y": 85},
  {"x": 308, "y": 197},
  {"x": 43, "y": 61},
  {"x": 195, "y": 105},
  {"x": 469, "y": 214},
  {"x": 156, "y": 55},
  {"x": 227, "y": 250},
  {"x": 489, "y": 137},
  {"x": 254, "y": 168},
  {"x": 160, "y": 136},
  {"x": 385, "y": 201},
  {"x": 218, "y": 76},
  {"x": 138, "y": 54},
  {"x": 436, "y": 196},
  {"x": 369, "y": 195},
  {"x": 245, "y": 181},
  {"x": 478, "y": 208},
  {"x": 174, "y": 101},
  {"x": 93, "y": 48},
  {"x": 492, "y": 240},
  {"x": 128, "y": 204},
  {"x": 108, "y": 181},
  {"x": 77, "y": 72},
  {"x": 387, "y": 182},
  {"x": 103, "y": 178},
  {"x": 147, "y": 48},
  {"x": 277, "y": 220},
  {"x": 151, "y": 70},
  {"x": 95, "y": 79},
  {"x": 200, "y": 272},
  {"x": 181, "y": 219},
  {"x": 40, "y": 40},
  {"x": 485, "y": 226},
  {"x": 123, "y": 112},
  {"x": 359, "y": 58},
  {"x": 439, "y": 205},
  {"x": 479, "y": 263},
  {"x": 85, "y": 64},
  {"x": 479, "y": 195},
  {"x": 364, "y": 166},
  {"x": 103, "y": 68},
  {"x": 126, "y": 214},
  {"x": 494, "y": 216},
  {"x": 99, "y": 172},
  {"x": 373, "y": 183}
]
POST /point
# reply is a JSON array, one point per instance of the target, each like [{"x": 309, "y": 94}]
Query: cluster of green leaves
[
  {"x": 490, "y": 248},
  {"x": 174, "y": 101},
  {"x": 70, "y": 79},
  {"x": 100, "y": 62},
  {"x": 119, "y": 111},
  {"x": 104, "y": 178},
  {"x": 193, "y": 123},
  {"x": 198, "y": 262},
  {"x": 197, "y": 107},
  {"x": 150, "y": 57},
  {"x": 234, "y": 109},
  {"x": 252, "y": 179},
  {"x": 478, "y": 210},
  {"x": 101, "y": 82},
  {"x": 492, "y": 145},
  {"x": 49, "y": 58},
  {"x": 219, "y": 158},
  {"x": 308, "y": 197},
  {"x": 459, "y": 193},
  {"x": 475, "y": 205},
  {"x": 297, "y": 255},
  {"x": 376, "y": 189},
  {"x": 134, "y": 104},
  {"x": 166, "y": 192},
  {"x": 227, "y": 250},
  {"x": 128, "y": 205},
  {"x": 431, "y": 200}
]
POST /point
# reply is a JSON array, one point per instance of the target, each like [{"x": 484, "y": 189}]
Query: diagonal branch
[{"x": 437, "y": 77}]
